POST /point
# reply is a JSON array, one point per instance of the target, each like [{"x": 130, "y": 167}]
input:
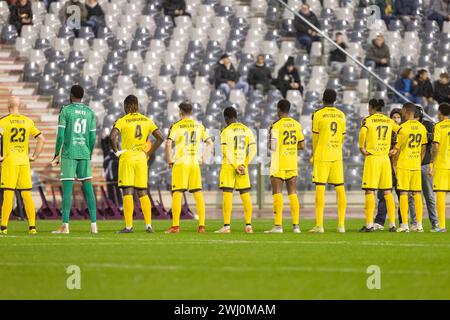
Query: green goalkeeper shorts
[{"x": 71, "y": 169}]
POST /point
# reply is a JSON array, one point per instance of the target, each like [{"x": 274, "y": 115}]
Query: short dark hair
[
  {"x": 131, "y": 104},
  {"x": 419, "y": 112},
  {"x": 377, "y": 104},
  {"x": 422, "y": 71},
  {"x": 329, "y": 96},
  {"x": 338, "y": 34},
  {"x": 444, "y": 109},
  {"x": 395, "y": 111},
  {"x": 284, "y": 105},
  {"x": 77, "y": 92},
  {"x": 410, "y": 107},
  {"x": 230, "y": 113},
  {"x": 185, "y": 107}
]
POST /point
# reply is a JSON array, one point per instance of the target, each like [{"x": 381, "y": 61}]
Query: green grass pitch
[{"x": 231, "y": 266}]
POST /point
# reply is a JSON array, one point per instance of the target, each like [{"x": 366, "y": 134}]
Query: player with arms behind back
[
  {"x": 135, "y": 130},
  {"x": 440, "y": 162},
  {"x": 375, "y": 144},
  {"x": 15, "y": 130},
  {"x": 328, "y": 137},
  {"x": 238, "y": 149},
  {"x": 285, "y": 140},
  {"x": 408, "y": 155},
  {"x": 74, "y": 145}
]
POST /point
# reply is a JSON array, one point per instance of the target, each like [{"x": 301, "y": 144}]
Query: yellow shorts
[
  {"x": 16, "y": 177},
  {"x": 331, "y": 172},
  {"x": 285, "y": 174},
  {"x": 409, "y": 180},
  {"x": 377, "y": 173},
  {"x": 133, "y": 173},
  {"x": 230, "y": 179},
  {"x": 186, "y": 177},
  {"x": 441, "y": 180}
]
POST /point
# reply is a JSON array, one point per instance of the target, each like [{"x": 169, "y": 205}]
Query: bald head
[{"x": 14, "y": 104}]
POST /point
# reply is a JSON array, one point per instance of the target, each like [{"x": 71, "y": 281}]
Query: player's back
[
  {"x": 235, "y": 138},
  {"x": 288, "y": 133},
  {"x": 187, "y": 134},
  {"x": 411, "y": 136},
  {"x": 442, "y": 136},
  {"x": 15, "y": 131},
  {"x": 134, "y": 130},
  {"x": 79, "y": 122},
  {"x": 379, "y": 133},
  {"x": 329, "y": 124}
]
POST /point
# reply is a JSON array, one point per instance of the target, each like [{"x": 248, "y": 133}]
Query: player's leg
[
  {"x": 403, "y": 186},
  {"x": 84, "y": 174},
  {"x": 243, "y": 186},
  {"x": 369, "y": 184},
  {"x": 440, "y": 198},
  {"x": 68, "y": 171},
  {"x": 291, "y": 185},
  {"x": 416, "y": 187},
  {"x": 321, "y": 171},
  {"x": 8, "y": 197},
  {"x": 128, "y": 208},
  {"x": 369, "y": 208},
  {"x": 227, "y": 184},
  {"x": 385, "y": 186},
  {"x": 141, "y": 184},
  {"x": 24, "y": 184},
  {"x": 195, "y": 187},
  {"x": 441, "y": 185},
  {"x": 180, "y": 179},
  {"x": 390, "y": 207},
  {"x": 337, "y": 179},
  {"x": 277, "y": 189}
]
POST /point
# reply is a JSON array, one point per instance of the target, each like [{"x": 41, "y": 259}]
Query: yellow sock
[
  {"x": 30, "y": 210},
  {"x": 320, "y": 204},
  {"x": 128, "y": 208},
  {"x": 295, "y": 208},
  {"x": 342, "y": 205},
  {"x": 146, "y": 207},
  {"x": 404, "y": 208},
  {"x": 390, "y": 206},
  {"x": 176, "y": 208},
  {"x": 200, "y": 205},
  {"x": 8, "y": 196},
  {"x": 227, "y": 207},
  {"x": 418, "y": 205},
  {"x": 369, "y": 208},
  {"x": 248, "y": 207},
  {"x": 278, "y": 208},
  {"x": 440, "y": 205}
]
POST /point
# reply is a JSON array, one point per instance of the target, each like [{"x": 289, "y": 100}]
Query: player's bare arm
[
  {"x": 40, "y": 141},
  {"x": 169, "y": 152},
  {"x": 208, "y": 150},
  {"x": 157, "y": 134},
  {"x": 301, "y": 145},
  {"x": 113, "y": 139},
  {"x": 434, "y": 153}
]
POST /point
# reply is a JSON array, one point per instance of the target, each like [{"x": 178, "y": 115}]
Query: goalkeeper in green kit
[{"x": 74, "y": 146}]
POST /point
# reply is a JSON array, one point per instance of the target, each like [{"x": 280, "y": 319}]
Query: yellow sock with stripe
[
  {"x": 341, "y": 204},
  {"x": 369, "y": 209},
  {"x": 404, "y": 208},
  {"x": 295, "y": 208},
  {"x": 176, "y": 208},
  {"x": 128, "y": 207},
  {"x": 390, "y": 206},
  {"x": 30, "y": 210},
  {"x": 418, "y": 205},
  {"x": 227, "y": 207},
  {"x": 146, "y": 207},
  {"x": 248, "y": 207},
  {"x": 8, "y": 197},
  {"x": 440, "y": 206},
  {"x": 278, "y": 208},
  {"x": 200, "y": 205},
  {"x": 320, "y": 204}
]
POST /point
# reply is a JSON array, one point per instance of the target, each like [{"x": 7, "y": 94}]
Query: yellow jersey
[
  {"x": 187, "y": 135},
  {"x": 442, "y": 136},
  {"x": 376, "y": 134},
  {"x": 410, "y": 138},
  {"x": 287, "y": 133},
  {"x": 15, "y": 130},
  {"x": 236, "y": 139},
  {"x": 329, "y": 124},
  {"x": 134, "y": 129}
]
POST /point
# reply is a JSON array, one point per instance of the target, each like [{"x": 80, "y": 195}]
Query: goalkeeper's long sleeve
[
  {"x": 92, "y": 136},
  {"x": 59, "y": 140}
]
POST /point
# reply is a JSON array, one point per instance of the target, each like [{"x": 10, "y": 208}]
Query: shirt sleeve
[
  {"x": 437, "y": 134},
  {"x": 251, "y": 137},
  {"x": 301, "y": 137},
  {"x": 205, "y": 135},
  {"x": 362, "y": 136},
  {"x": 35, "y": 132},
  {"x": 62, "y": 119},
  {"x": 152, "y": 126},
  {"x": 172, "y": 133},
  {"x": 395, "y": 126},
  {"x": 93, "y": 124},
  {"x": 401, "y": 137},
  {"x": 118, "y": 125},
  {"x": 315, "y": 124}
]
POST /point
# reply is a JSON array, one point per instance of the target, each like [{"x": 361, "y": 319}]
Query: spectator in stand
[
  {"x": 385, "y": 10},
  {"x": 378, "y": 54},
  {"x": 423, "y": 90},
  {"x": 440, "y": 12},
  {"x": 175, "y": 8},
  {"x": 305, "y": 34},
  {"x": 47, "y": 3},
  {"x": 406, "y": 86},
  {"x": 260, "y": 76},
  {"x": 21, "y": 14},
  {"x": 65, "y": 13},
  {"x": 95, "y": 14},
  {"x": 288, "y": 78},
  {"x": 442, "y": 89},
  {"x": 337, "y": 57},
  {"x": 406, "y": 10},
  {"x": 227, "y": 78}
]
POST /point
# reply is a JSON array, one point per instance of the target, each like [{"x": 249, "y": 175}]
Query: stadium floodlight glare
[{"x": 349, "y": 55}]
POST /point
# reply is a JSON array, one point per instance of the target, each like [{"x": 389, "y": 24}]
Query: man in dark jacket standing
[
  {"x": 226, "y": 77},
  {"x": 305, "y": 34},
  {"x": 21, "y": 14},
  {"x": 423, "y": 89},
  {"x": 260, "y": 76},
  {"x": 378, "y": 54},
  {"x": 288, "y": 78},
  {"x": 442, "y": 89},
  {"x": 440, "y": 12},
  {"x": 406, "y": 10},
  {"x": 337, "y": 57}
]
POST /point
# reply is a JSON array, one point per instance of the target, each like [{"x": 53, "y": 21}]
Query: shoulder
[
  {"x": 275, "y": 123},
  {"x": 4, "y": 117},
  {"x": 174, "y": 125}
]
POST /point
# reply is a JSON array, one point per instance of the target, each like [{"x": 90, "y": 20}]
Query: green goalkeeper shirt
[{"x": 76, "y": 132}]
